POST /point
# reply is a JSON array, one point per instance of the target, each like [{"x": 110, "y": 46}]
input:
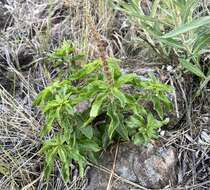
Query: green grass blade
[
  {"x": 188, "y": 27},
  {"x": 201, "y": 42},
  {"x": 192, "y": 68},
  {"x": 154, "y": 8}
]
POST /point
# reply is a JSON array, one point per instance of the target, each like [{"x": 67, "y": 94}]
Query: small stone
[
  {"x": 169, "y": 68},
  {"x": 82, "y": 106},
  {"x": 25, "y": 56},
  {"x": 162, "y": 133}
]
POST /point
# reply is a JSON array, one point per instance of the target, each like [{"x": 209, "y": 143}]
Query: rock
[
  {"x": 25, "y": 56},
  {"x": 4, "y": 16},
  {"x": 82, "y": 106},
  {"x": 151, "y": 166}
]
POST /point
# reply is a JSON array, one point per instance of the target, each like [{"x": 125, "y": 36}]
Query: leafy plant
[
  {"x": 65, "y": 56},
  {"x": 174, "y": 28},
  {"x": 125, "y": 108}
]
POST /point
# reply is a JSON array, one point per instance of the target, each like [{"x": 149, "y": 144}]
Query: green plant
[
  {"x": 64, "y": 54},
  {"x": 121, "y": 107},
  {"x": 174, "y": 29}
]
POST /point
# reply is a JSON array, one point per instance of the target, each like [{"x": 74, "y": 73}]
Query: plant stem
[{"x": 101, "y": 44}]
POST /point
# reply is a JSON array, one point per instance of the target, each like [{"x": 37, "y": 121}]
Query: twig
[
  {"x": 33, "y": 182},
  {"x": 113, "y": 168},
  {"x": 175, "y": 97}
]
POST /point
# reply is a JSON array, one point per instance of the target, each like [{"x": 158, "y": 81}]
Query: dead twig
[{"x": 113, "y": 168}]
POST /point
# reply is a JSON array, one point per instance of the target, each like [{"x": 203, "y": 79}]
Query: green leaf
[
  {"x": 87, "y": 131},
  {"x": 51, "y": 105},
  {"x": 76, "y": 58},
  {"x": 138, "y": 139},
  {"x": 92, "y": 157},
  {"x": 114, "y": 123},
  {"x": 132, "y": 9},
  {"x": 43, "y": 95},
  {"x": 48, "y": 169},
  {"x": 154, "y": 8},
  {"x": 90, "y": 90},
  {"x": 86, "y": 70},
  {"x": 202, "y": 21},
  {"x": 165, "y": 102},
  {"x": 50, "y": 157},
  {"x": 66, "y": 124},
  {"x": 39, "y": 98},
  {"x": 192, "y": 68},
  {"x": 158, "y": 107},
  {"x": 65, "y": 171},
  {"x": 122, "y": 131},
  {"x": 188, "y": 9},
  {"x": 65, "y": 163},
  {"x": 62, "y": 155},
  {"x": 134, "y": 106},
  {"x": 49, "y": 124},
  {"x": 97, "y": 104},
  {"x": 75, "y": 155},
  {"x": 114, "y": 67},
  {"x": 135, "y": 122},
  {"x": 50, "y": 144},
  {"x": 126, "y": 79},
  {"x": 201, "y": 42},
  {"x": 153, "y": 123},
  {"x": 65, "y": 49},
  {"x": 120, "y": 96},
  {"x": 203, "y": 84},
  {"x": 105, "y": 140},
  {"x": 82, "y": 165},
  {"x": 173, "y": 43},
  {"x": 86, "y": 123},
  {"x": 69, "y": 109},
  {"x": 89, "y": 145}
]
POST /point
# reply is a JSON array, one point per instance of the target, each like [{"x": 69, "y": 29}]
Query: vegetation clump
[
  {"x": 177, "y": 30},
  {"x": 116, "y": 110}
]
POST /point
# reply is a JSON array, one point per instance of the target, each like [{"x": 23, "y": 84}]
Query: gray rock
[
  {"x": 25, "y": 56},
  {"x": 151, "y": 166},
  {"x": 82, "y": 106}
]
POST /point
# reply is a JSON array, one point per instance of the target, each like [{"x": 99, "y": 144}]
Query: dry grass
[
  {"x": 23, "y": 73},
  {"x": 191, "y": 136}
]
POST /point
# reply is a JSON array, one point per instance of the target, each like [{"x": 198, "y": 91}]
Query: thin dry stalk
[
  {"x": 101, "y": 44},
  {"x": 113, "y": 167}
]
